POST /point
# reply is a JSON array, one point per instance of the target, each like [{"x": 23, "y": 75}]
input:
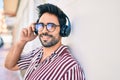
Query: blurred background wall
[{"x": 95, "y": 36}]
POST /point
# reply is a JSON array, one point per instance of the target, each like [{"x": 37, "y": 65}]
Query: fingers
[
  {"x": 33, "y": 29},
  {"x": 24, "y": 32},
  {"x": 27, "y": 34},
  {"x": 29, "y": 30},
  {"x": 33, "y": 26}
]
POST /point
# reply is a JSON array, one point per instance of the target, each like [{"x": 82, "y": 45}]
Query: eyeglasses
[{"x": 50, "y": 26}]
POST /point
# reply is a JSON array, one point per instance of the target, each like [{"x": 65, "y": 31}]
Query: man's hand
[{"x": 27, "y": 34}]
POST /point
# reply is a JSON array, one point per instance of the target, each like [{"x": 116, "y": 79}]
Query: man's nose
[{"x": 44, "y": 29}]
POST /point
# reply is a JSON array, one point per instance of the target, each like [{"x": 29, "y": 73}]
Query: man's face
[{"x": 49, "y": 38}]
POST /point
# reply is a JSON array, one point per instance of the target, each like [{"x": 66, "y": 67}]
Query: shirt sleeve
[
  {"x": 75, "y": 73},
  {"x": 25, "y": 59}
]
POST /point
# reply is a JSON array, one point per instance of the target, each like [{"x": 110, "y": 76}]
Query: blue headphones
[{"x": 65, "y": 29}]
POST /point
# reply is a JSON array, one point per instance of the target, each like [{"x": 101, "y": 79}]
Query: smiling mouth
[
  {"x": 45, "y": 37},
  {"x": 45, "y": 34}
]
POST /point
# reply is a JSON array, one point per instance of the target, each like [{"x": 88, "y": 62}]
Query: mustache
[{"x": 45, "y": 34}]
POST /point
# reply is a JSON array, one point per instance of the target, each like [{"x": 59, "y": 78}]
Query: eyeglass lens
[{"x": 50, "y": 26}]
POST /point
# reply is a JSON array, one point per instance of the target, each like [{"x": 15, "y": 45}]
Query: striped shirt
[{"x": 61, "y": 65}]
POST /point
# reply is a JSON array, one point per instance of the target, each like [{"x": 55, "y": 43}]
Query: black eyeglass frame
[{"x": 48, "y": 25}]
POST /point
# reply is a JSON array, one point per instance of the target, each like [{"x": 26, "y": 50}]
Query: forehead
[{"x": 47, "y": 17}]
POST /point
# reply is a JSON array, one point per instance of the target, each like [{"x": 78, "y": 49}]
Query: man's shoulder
[{"x": 66, "y": 56}]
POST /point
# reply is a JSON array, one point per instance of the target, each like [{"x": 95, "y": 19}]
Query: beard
[{"x": 50, "y": 43}]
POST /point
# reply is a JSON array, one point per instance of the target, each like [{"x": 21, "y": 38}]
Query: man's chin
[{"x": 46, "y": 45}]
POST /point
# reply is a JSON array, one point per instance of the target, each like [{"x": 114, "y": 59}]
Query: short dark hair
[{"x": 52, "y": 9}]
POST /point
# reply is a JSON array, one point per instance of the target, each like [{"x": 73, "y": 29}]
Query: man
[{"x": 53, "y": 60}]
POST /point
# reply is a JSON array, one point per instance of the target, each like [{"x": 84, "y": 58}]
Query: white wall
[{"x": 95, "y": 37}]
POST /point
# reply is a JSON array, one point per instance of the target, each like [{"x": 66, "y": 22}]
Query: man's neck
[{"x": 52, "y": 48}]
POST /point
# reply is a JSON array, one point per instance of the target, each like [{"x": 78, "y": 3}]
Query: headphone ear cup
[
  {"x": 62, "y": 30},
  {"x": 65, "y": 31}
]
